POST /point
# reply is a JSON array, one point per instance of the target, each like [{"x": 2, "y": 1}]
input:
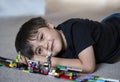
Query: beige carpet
[{"x": 57, "y": 12}]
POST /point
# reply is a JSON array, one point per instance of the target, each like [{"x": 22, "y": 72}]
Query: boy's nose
[{"x": 45, "y": 45}]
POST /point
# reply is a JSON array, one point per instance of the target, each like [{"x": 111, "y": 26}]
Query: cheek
[
  {"x": 53, "y": 34},
  {"x": 44, "y": 52},
  {"x": 57, "y": 47}
]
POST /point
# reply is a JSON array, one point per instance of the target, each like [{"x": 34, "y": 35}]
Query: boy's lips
[{"x": 52, "y": 45}]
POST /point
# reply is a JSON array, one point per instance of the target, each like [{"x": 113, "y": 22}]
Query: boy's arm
[{"x": 86, "y": 61}]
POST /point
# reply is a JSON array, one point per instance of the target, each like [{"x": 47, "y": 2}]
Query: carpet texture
[{"x": 9, "y": 27}]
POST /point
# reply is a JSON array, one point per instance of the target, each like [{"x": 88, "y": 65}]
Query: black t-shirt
[{"x": 82, "y": 33}]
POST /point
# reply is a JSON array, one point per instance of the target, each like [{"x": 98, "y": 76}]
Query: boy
[{"x": 78, "y": 43}]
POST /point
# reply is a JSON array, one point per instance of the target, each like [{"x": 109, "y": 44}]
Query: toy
[
  {"x": 46, "y": 69},
  {"x": 49, "y": 59},
  {"x": 12, "y": 64},
  {"x": 93, "y": 78},
  {"x": 33, "y": 66},
  {"x": 7, "y": 62},
  {"x": 47, "y": 65}
]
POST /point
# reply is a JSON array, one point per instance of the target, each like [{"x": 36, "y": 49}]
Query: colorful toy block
[{"x": 62, "y": 72}]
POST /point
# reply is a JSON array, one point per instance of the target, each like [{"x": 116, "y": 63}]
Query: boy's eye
[
  {"x": 40, "y": 37},
  {"x": 39, "y": 51}
]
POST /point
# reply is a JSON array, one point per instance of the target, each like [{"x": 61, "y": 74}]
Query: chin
[
  {"x": 56, "y": 50},
  {"x": 54, "y": 54}
]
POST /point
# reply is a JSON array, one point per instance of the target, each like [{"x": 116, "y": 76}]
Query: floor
[{"x": 57, "y": 11}]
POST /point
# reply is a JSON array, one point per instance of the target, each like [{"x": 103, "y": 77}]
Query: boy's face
[{"x": 47, "y": 39}]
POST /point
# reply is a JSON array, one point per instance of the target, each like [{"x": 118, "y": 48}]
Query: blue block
[
  {"x": 100, "y": 81},
  {"x": 79, "y": 80}
]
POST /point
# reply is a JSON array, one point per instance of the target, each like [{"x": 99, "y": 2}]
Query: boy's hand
[
  {"x": 40, "y": 58},
  {"x": 23, "y": 60}
]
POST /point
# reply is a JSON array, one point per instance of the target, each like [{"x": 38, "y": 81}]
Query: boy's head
[{"x": 37, "y": 37}]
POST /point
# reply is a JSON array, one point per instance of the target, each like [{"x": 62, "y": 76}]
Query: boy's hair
[{"x": 28, "y": 30}]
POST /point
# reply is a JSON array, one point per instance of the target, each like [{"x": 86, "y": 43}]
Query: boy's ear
[{"x": 50, "y": 25}]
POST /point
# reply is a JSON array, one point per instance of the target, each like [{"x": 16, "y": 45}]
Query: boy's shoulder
[
  {"x": 68, "y": 22},
  {"x": 74, "y": 20}
]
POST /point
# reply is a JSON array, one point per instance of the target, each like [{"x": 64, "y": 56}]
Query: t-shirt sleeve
[{"x": 82, "y": 36}]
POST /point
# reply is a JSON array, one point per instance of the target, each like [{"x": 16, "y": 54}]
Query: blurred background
[
  {"x": 93, "y": 9},
  {"x": 13, "y": 13}
]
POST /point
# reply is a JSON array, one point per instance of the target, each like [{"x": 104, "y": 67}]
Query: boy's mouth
[{"x": 51, "y": 45}]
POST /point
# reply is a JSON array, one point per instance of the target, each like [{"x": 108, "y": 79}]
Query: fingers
[{"x": 23, "y": 60}]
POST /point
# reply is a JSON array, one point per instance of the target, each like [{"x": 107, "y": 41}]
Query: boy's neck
[{"x": 64, "y": 40}]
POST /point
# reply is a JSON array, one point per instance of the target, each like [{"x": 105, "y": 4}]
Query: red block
[{"x": 67, "y": 77}]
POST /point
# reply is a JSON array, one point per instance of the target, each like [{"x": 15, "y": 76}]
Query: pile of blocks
[{"x": 46, "y": 69}]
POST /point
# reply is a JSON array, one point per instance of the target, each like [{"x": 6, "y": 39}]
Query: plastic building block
[
  {"x": 12, "y": 64},
  {"x": 67, "y": 77},
  {"x": 52, "y": 72},
  {"x": 34, "y": 66},
  {"x": 62, "y": 67},
  {"x": 18, "y": 57},
  {"x": 45, "y": 73},
  {"x": 59, "y": 72},
  {"x": 100, "y": 81},
  {"x": 27, "y": 71},
  {"x": 79, "y": 80},
  {"x": 90, "y": 77}
]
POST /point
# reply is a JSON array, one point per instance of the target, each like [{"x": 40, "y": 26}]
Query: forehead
[
  {"x": 34, "y": 44},
  {"x": 43, "y": 29},
  {"x": 33, "y": 34}
]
